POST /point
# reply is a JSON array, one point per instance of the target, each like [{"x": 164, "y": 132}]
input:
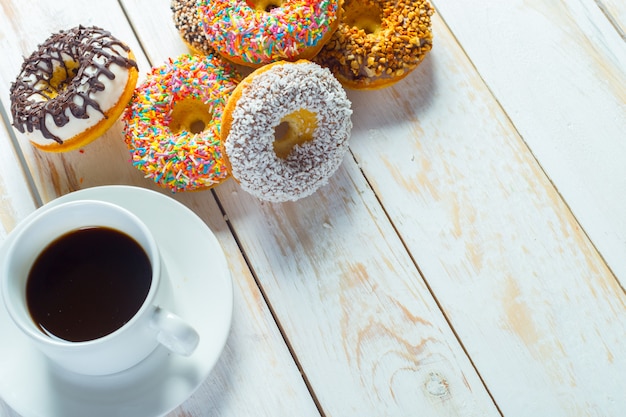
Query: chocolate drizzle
[{"x": 83, "y": 54}]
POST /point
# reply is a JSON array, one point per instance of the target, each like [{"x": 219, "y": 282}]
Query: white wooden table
[{"x": 467, "y": 259}]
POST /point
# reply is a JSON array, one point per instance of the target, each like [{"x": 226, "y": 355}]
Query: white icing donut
[
  {"x": 72, "y": 88},
  {"x": 278, "y": 93}
]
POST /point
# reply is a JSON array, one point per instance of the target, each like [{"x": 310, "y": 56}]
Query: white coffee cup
[{"x": 152, "y": 325}]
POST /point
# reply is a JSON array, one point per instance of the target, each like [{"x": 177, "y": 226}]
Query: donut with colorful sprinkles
[
  {"x": 172, "y": 124},
  {"x": 257, "y": 32},
  {"x": 285, "y": 130}
]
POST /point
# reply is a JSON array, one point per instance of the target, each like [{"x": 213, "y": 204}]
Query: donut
[
  {"x": 378, "y": 42},
  {"x": 256, "y": 32},
  {"x": 285, "y": 130},
  {"x": 187, "y": 22},
  {"x": 72, "y": 88},
  {"x": 172, "y": 124}
]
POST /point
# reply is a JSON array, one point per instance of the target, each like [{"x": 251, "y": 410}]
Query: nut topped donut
[
  {"x": 378, "y": 42},
  {"x": 285, "y": 130},
  {"x": 257, "y": 32},
  {"x": 172, "y": 124},
  {"x": 189, "y": 25},
  {"x": 72, "y": 88}
]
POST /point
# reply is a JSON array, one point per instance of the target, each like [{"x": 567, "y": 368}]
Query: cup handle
[{"x": 174, "y": 333}]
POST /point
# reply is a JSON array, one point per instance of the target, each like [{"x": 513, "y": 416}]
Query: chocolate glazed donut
[{"x": 72, "y": 88}]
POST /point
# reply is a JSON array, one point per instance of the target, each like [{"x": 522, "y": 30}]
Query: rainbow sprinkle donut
[
  {"x": 172, "y": 124},
  {"x": 257, "y": 32}
]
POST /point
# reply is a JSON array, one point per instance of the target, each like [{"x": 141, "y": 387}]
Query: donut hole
[
  {"x": 365, "y": 16},
  {"x": 61, "y": 78},
  {"x": 191, "y": 115},
  {"x": 294, "y": 129},
  {"x": 265, "y": 5},
  {"x": 197, "y": 126}
]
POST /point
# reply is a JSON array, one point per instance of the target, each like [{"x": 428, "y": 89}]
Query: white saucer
[{"x": 203, "y": 295}]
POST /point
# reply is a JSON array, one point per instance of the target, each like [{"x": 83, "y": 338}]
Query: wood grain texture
[
  {"x": 615, "y": 12},
  {"x": 452, "y": 266},
  {"x": 563, "y": 85},
  {"x": 364, "y": 328},
  {"x": 256, "y": 365},
  {"x": 16, "y": 201},
  {"x": 539, "y": 312},
  {"x": 256, "y": 375}
]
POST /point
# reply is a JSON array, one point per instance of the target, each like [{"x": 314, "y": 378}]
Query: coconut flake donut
[
  {"x": 257, "y": 32},
  {"x": 285, "y": 130},
  {"x": 72, "y": 88},
  {"x": 172, "y": 124},
  {"x": 378, "y": 42},
  {"x": 187, "y": 21}
]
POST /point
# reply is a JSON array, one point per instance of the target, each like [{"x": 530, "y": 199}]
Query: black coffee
[{"x": 88, "y": 283}]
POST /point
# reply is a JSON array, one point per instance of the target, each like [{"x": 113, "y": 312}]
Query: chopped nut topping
[{"x": 360, "y": 59}]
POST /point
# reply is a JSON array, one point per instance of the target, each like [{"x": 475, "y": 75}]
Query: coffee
[{"x": 88, "y": 283}]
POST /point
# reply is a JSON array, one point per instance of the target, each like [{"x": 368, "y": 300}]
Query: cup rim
[{"x": 28, "y": 325}]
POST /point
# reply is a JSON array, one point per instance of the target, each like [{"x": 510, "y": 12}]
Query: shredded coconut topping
[{"x": 265, "y": 100}]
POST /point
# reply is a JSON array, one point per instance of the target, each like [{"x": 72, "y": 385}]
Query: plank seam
[
  {"x": 534, "y": 157},
  {"x": 612, "y": 20},
  {"x": 17, "y": 150},
  {"x": 132, "y": 27},
  {"x": 269, "y": 306},
  {"x": 430, "y": 290}
]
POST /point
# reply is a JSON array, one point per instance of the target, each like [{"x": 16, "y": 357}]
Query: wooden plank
[
  {"x": 564, "y": 87},
  {"x": 256, "y": 364},
  {"x": 256, "y": 374},
  {"x": 538, "y": 311},
  {"x": 615, "y": 12},
  {"x": 16, "y": 201},
  {"x": 355, "y": 310},
  {"x": 362, "y": 324}
]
